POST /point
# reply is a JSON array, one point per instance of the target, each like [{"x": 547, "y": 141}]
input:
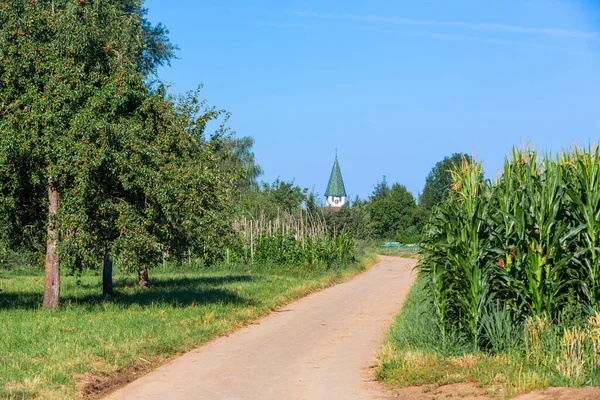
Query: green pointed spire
[{"x": 335, "y": 187}]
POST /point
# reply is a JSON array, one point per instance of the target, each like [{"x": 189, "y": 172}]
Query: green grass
[
  {"x": 92, "y": 340},
  {"x": 397, "y": 252},
  {"x": 416, "y": 353},
  {"x": 372, "y": 246}
]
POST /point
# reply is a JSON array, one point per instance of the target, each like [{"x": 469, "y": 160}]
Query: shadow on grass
[
  {"x": 164, "y": 292},
  {"x": 168, "y": 282},
  {"x": 171, "y": 282}
]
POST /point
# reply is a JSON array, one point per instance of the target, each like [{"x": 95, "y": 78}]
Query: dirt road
[{"x": 320, "y": 347}]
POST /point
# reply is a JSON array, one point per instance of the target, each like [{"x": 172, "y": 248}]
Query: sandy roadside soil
[
  {"x": 320, "y": 347},
  {"x": 470, "y": 391}
]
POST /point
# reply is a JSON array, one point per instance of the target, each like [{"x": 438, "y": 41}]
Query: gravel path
[{"x": 320, "y": 347}]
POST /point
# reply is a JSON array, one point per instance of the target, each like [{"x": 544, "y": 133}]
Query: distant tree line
[{"x": 391, "y": 212}]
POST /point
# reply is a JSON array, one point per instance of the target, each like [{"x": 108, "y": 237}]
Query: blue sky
[{"x": 393, "y": 85}]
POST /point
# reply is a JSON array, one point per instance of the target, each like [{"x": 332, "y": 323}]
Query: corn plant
[
  {"x": 583, "y": 168},
  {"x": 529, "y": 240},
  {"x": 459, "y": 244},
  {"x": 530, "y": 226},
  {"x": 435, "y": 264}
]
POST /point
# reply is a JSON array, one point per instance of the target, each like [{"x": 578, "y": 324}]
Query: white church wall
[{"x": 334, "y": 201}]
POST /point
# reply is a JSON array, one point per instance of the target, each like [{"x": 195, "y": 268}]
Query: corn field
[
  {"x": 525, "y": 244},
  {"x": 300, "y": 239}
]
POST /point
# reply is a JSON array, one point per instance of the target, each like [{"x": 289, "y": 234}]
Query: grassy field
[
  {"x": 93, "y": 342},
  {"x": 416, "y": 353}
]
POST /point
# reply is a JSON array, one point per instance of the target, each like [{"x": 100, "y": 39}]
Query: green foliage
[
  {"x": 420, "y": 216},
  {"x": 417, "y": 328},
  {"x": 498, "y": 331},
  {"x": 4, "y": 252},
  {"x": 381, "y": 190},
  {"x": 288, "y": 250},
  {"x": 353, "y": 218},
  {"x": 270, "y": 200},
  {"x": 392, "y": 212},
  {"x": 288, "y": 196},
  {"x": 439, "y": 180},
  {"x": 582, "y": 171},
  {"x": 527, "y": 241},
  {"x": 312, "y": 202},
  {"x": 133, "y": 168},
  {"x": 293, "y": 240},
  {"x": 510, "y": 267},
  {"x": 237, "y": 159}
]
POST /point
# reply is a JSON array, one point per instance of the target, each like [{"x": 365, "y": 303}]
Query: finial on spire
[{"x": 336, "y": 152}]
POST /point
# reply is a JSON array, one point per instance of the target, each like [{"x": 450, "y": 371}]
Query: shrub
[{"x": 292, "y": 240}]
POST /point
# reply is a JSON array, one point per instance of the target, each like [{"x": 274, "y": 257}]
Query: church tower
[{"x": 336, "y": 192}]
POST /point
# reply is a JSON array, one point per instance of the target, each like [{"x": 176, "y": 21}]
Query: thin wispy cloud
[
  {"x": 554, "y": 32},
  {"x": 287, "y": 25},
  {"x": 501, "y": 42}
]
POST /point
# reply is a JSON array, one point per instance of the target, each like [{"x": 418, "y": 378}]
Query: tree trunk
[
  {"x": 52, "y": 282},
  {"x": 144, "y": 280},
  {"x": 107, "y": 278}
]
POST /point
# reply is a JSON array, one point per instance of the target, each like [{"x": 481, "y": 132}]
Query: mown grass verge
[
  {"x": 541, "y": 355},
  {"x": 92, "y": 343}
]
